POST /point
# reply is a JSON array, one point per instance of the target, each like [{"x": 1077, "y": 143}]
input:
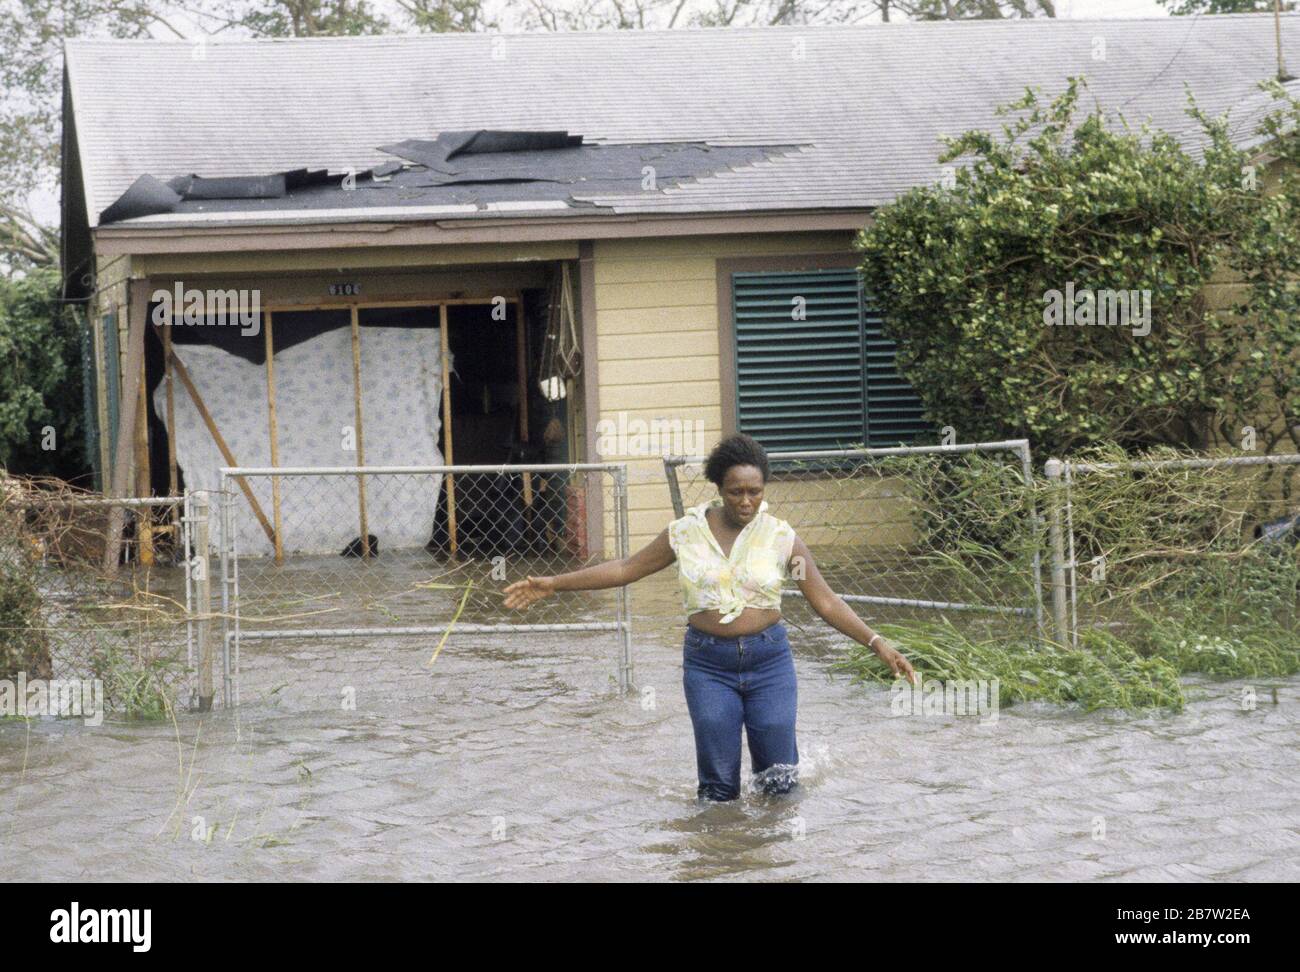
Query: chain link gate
[
  {"x": 121, "y": 611},
  {"x": 372, "y": 552},
  {"x": 1151, "y": 533},
  {"x": 887, "y": 526}
]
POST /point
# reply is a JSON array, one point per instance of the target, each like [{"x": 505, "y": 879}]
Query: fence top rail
[
  {"x": 419, "y": 470},
  {"x": 1055, "y": 467},
  {"x": 98, "y": 501},
  {"x": 1007, "y": 445}
]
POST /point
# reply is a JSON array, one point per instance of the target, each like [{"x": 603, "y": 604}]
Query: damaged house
[{"x": 449, "y": 244}]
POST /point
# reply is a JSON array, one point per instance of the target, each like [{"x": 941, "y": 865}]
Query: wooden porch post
[
  {"x": 124, "y": 445},
  {"x": 275, "y": 437},
  {"x": 446, "y": 428},
  {"x": 360, "y": 437}
]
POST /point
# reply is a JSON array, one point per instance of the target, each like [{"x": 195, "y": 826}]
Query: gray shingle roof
[{"x": 866, "y": 105}]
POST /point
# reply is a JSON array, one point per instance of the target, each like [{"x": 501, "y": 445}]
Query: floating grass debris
[{"x": 1104, "y": 673}]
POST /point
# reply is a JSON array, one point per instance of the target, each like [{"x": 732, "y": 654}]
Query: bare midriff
[{"x": 750, "y": 621}]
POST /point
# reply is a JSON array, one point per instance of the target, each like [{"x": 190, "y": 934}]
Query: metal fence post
[
  {"x": 203, "y": 598},
  {"x": 624, "y": 601},
  {"x": 674, "y": 487},
  {"x": 1071, "y": 560},
  {"x": 1053, "y": 469},
  {"x": 187, "y": 551},
  {"x": 225, "y": 541},
  {"x": 1027, "y": 470}
]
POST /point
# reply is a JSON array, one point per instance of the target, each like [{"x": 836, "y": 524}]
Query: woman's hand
[
  {"x": 655, "y": 555},
  {"x": 894, "y": 659},
  {"x": 522, "y": 593},
  {"x": 835, "y": 612}
]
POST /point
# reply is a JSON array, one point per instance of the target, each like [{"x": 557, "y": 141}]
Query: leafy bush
[
  {"x": 965, "y": 275},
  {"x": 23, "y": 643}
]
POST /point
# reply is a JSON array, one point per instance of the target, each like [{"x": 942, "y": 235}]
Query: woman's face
[{"x": 742, "y": 493}]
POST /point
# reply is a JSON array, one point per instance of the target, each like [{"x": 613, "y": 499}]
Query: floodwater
[{"x": 510, "y": 759}]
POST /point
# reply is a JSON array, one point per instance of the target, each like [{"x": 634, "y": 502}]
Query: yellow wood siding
[{"x": 657, "y": 346}]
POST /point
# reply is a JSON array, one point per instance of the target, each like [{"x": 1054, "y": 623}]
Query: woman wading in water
[{"x": 737, "y": 666}]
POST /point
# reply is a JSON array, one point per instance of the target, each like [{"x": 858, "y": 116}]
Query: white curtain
[{"x": 401, "y": 398}]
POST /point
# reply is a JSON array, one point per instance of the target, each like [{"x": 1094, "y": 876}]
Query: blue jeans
[{"x": 747, "y": 680}]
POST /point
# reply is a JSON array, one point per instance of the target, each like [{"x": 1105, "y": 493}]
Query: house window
[{"x": 813, "y": 368}]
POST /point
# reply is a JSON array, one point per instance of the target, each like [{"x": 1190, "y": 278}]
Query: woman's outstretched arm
[
  {"x": 835, "y": 611},
  {"x": 654, "y": 556}
]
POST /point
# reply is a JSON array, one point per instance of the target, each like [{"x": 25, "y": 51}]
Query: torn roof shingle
[
  {"x": 438, "y": 153},
  {"x": 865, "y": 106},
  {"x": 518, "y": 171}
]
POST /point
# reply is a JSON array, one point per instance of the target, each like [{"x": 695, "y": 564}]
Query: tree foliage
[
  {"x": 40, "y": 378},
  {"x": 1184, "y": 8},
  {"x": 31, "y": 86},
  {"x": 666, "y": 14}
]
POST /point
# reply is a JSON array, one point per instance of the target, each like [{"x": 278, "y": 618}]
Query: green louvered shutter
[
  {"x": 90, "y": 402},
  {"x": 894, "y": 412},
  {"x": 825, "y": 381},
  {"x": 112, "y": 384},
  {"x": 799, "y": 383}
]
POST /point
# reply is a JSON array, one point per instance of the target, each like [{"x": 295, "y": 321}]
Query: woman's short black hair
[{"x": 735, "y": 450}]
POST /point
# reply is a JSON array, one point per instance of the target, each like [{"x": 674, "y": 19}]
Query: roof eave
[
  {"x": 122, "y": 239},
  {"x": 71, "y": 102}
]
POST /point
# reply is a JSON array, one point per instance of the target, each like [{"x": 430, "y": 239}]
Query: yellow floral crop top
[{"x": 750, "y": 577}]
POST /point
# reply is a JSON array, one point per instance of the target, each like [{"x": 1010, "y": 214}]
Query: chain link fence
[
  {"x": 420, "y": 551},
  {"x": 920, "y": 530},
  {"x": 72, "y": 608},
  {"x": 1196, "y": 559}
]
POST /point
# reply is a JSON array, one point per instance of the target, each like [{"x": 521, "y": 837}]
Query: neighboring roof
[{"x": 864, "y": 106}]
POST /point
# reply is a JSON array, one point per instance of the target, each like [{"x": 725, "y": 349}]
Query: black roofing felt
[
  {"x": 456, "y": 168},
  {"x": 143, "y": 197}
]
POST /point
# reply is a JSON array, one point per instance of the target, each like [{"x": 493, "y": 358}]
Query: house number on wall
[{"x": 345, "y": 289}]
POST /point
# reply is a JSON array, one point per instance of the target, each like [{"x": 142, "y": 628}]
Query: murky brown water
[{"x": 509, "y": 759}]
